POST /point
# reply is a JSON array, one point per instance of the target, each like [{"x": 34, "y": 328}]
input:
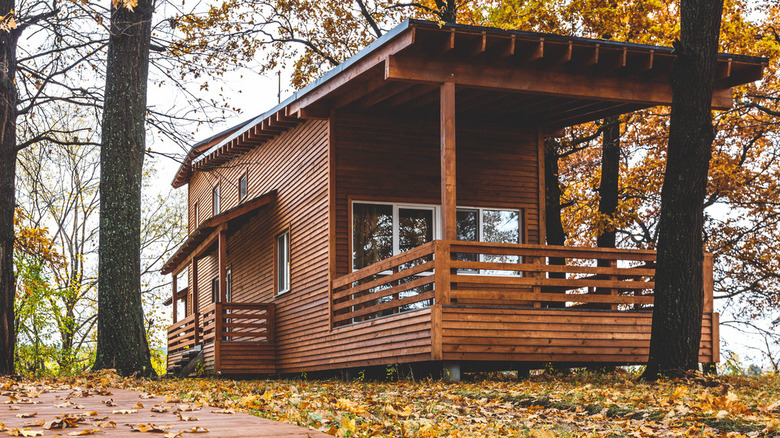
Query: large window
[
  {"x": 283, "y": 262},
  {"x": 380, "y": 231},
  {"x": 489, "y": 225}
]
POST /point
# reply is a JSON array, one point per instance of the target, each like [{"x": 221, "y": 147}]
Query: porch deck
[{"x": 461, "y": 301}]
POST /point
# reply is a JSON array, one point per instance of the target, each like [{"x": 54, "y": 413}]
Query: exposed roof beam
[{"x": 557, "y": 83}]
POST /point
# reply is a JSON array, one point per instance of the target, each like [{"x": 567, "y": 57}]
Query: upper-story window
[
  {"x": 215, "y": 200},
  {"x": 196, "y": 214},
  {"x": 243, "y": 187},
  {"x": 283, "y": 262}
]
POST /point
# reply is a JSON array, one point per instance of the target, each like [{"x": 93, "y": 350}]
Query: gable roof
[{"x": 376, "y": 64}]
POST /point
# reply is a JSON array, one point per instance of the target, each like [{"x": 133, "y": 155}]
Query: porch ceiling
[{"x": 502, "y": 76}]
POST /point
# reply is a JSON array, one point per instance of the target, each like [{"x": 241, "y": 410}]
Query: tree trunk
[
  {"x": 610, "y": 171},
  {"x": 121, "y": 342},
  {"x": 552, "y": 191},
  {"x": 8, "y": 99},
  {"x": 676, "y": 329}
]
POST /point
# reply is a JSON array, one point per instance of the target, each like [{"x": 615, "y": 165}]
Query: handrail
[
  {"x": 501, "y": 274},
  {"x": 183, "y": 334},
  {"x": 372, "y": 292}
]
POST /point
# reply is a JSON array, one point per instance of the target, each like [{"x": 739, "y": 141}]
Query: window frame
[
  {"x": 278, "y": 290},
  {"x": 436, "y": 223},
  {"x": 245, "y": 178},
  {"x": 396, "y": 235},
  {"x": 215, "y": 289},
  {"x": 196, "y": 213},
  {"x": 480, "y": 233},
  {"x": 216, "y": 201}
]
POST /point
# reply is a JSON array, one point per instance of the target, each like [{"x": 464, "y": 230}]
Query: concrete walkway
[{"x": 120, "y": 412}]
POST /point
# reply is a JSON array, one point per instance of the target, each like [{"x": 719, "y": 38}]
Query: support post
[
  {"x": 222, "y": 250},
  {"x": 195, "y": 300},
  {"x": 707, "y": 283},
  {"x": 173, "y": 297},
  {"x": 194, "y": 287},
  {"x": 447, "y": 131},
  {"x": 451, "y": 371}
]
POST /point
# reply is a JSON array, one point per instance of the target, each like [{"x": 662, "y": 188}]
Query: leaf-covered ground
[{"x": 582, "y": 405}]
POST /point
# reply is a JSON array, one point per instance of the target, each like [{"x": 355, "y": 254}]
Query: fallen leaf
[
  {"x": 24, "y": 432},
  {"x": 84, "y": 432},
  {"x": 27, "y": 415},
  {"x": 138, "y": 405},
  {"x": 148, "y": 427},
  {"x": 183, "y": 418}
]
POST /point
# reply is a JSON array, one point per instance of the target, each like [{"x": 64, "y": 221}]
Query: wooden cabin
[{"x": 392, "y": 212}]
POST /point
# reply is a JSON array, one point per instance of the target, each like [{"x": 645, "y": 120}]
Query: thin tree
[
  {"x": 121, "y": 342},
  {"x": 9, "y": 99},
  {"x": 679, "y": 298}
]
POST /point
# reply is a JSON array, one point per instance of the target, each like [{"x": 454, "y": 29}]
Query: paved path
[{"x": 117, "y": 413}]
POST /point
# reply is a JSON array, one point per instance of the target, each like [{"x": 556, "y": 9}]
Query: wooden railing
[
  {"x": 183, "y": 335},
  {"x": 236, "y": 322},
  {"x": 400, "y": 283},
  {"x": 495, "y": 274}
]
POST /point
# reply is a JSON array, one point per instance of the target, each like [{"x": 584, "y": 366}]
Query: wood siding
[
  {"x": 398, "y": 160},
  {"x": 295, "y": 165},
  {"x": 574, "y": 336}
]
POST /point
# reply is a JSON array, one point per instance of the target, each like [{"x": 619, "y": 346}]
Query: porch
[
  {"x": 236, "y": 338},
  {"x": 518, "y": 303}
]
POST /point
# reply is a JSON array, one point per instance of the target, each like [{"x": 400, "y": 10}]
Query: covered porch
[
  {"x": 520, "y": 303},
  {"x": 226, "y": 336}
]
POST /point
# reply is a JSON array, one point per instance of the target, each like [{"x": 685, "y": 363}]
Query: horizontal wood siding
[
  {"x": 295, "y": 165},
  {"x": 398, "y": 160},
  {"x": 529, "y": 335},
  {"x": 392, "y": 339}
]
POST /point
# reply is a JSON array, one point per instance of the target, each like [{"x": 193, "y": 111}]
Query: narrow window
[
  {"x": 214, "y": 289},
  {"x": 283, "y": 262},
  {"x": 215, "y": 200},
  {"x": 195, "y": 213},
  {"x": 242, "y": 187},
  {"x": 229, "y": 286}
]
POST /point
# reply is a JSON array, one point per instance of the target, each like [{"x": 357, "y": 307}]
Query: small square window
[
  {"x": 215, "y": 200},
  {"x": 242, "y": 187},
  {"x": 283, "y": 263}
]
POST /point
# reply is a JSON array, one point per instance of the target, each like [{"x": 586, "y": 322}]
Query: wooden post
[
  {"x": 441, "y": 272},
  {"x": 217, "y": 334},
  {"x": 194, "y": 287},
  {"x": 270, "y": 323},
  {"x": 613, "y": 264},
  {"x": 195, "y": 300},
  {"x": 708, "y": 282},
  {"x": 447, "y": 131},
  {"x": 222, "y": 261},
  {"x": 173, "y": 297}
]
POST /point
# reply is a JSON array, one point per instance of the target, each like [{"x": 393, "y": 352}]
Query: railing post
[
  {"x": 270, "y": 313},
  {"x": 217, "y": 335},
  {"x": 441, "y": 271},
  {"x": 708, "y": 283},
  {"x": 612, "y": 291},
  {"x": 173, "y": 297},
  {"x": 196, "y": 328},
  {"x": 537, "y": 288}
]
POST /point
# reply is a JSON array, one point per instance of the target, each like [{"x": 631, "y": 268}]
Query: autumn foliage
[{"x": 579, "y": 405}]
